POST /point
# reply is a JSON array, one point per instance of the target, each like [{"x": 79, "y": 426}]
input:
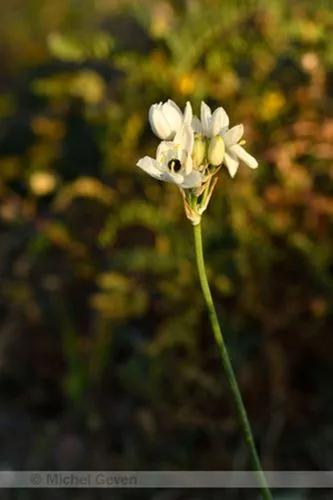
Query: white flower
[
  {"x": 173, "y": 161},
  {"x": 166, "y": 119},
  {"x": 234, "y": 152},
  {"x": 192, "y": 152},
  {"x": 217, "y": 123},
  {"x": 213, "y": 123}
]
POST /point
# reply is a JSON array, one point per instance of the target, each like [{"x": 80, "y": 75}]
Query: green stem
[{"x": 240, "y": 408}]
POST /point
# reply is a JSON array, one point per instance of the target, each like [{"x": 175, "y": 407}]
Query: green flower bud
[
  {"x": 216, "y": 151},
  {"x": 199, "y": 151}
]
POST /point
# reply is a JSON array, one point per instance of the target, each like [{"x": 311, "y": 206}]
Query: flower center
[{"x": 174, "y": 165}]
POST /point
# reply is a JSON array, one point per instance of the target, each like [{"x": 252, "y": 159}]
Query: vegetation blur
[{"x": 107, "y": 359}]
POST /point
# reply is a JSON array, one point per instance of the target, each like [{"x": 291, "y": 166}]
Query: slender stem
[{"x": 240, "y": 408}]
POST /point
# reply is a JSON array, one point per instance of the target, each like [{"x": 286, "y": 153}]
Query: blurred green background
[{"x": 107, "y": 360}]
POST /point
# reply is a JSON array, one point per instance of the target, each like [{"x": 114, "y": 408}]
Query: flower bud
[
  {"x": 199, "y": 151},
  {"x": 165, "y": 119},
  {"x": 216, "y": 151}
]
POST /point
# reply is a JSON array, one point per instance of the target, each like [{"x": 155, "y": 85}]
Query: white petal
[
  {"x": 173, "y": 115},
  {"x": 232, "y": 136},
  {"x": 244, "y": 156},
  {"x": 188, "y": 164},
  {"x": 173, "y": 177},
  {"x": 205, "y": 117},
  {"x": 225, "y": 117},
  {"x": 218, "y": 121},
  {"x": 185, "y": 138},
  {"x": 158, "y": 122},
  {"x": 188, "y": 113},
  {"x": 196, "y": 125},
  {"x": 149, "y": 165},
  {"x": 172, "y": 104},
  {"x": 192, "y": 180},
  {"x": 164, "y": 149},
  {"x": 232, "y": 163}
]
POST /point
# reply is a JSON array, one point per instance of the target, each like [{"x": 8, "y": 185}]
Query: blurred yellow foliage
[
  {"x": 120, "y": 297},
  {"x": 42, "y": 183},
  {"x": 185, "y": 84},
  {"x": 85, "y": 187},
  {"x": 47, "y": 127},
  {"x": 86, "y": 84},
  {"x": 272, "y": 103},
  {"x": 162, "y": 18},
  {"x": 89, "y": 86}
]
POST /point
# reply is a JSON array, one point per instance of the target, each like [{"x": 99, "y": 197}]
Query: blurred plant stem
[{"x": 240, "y": 408}]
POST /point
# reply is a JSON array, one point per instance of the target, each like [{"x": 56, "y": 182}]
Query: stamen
[{"x": 174, "y": 165}]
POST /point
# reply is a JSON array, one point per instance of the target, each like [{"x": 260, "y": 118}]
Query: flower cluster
[{"x": 193, "y": 150}]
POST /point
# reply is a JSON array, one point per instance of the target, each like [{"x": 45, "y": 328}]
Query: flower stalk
[
  {"x": 190, "y": 155},
  {"x": 229, "y": 372}
]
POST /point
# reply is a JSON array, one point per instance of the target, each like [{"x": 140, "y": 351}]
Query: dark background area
[{"x": 107, "y": 360}]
